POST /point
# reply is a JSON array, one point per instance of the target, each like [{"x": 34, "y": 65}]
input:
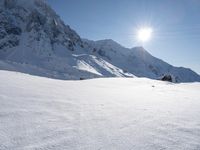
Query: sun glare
[{"x": 144, "y": 34}]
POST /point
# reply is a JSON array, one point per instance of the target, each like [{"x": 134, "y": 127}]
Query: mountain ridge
[{"x": 34, "y": 40}]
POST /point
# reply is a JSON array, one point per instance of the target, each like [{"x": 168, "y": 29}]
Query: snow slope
[
  {"x": 34, "y": 40},
  {"x": 106, "y": 114}
]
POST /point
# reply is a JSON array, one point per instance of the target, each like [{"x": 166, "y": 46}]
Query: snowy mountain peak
[
  {"x": 141, "y": 52},
  {"x": 38, "y": 22},
  {"x": 34, "y": 40},
  {"x": 109, "y": 43}
]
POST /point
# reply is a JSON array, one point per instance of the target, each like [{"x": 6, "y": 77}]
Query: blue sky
[{"x": 175, "y": 23}]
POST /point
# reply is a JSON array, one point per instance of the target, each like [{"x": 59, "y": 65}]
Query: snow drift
[{"x": 108, "y": 114}]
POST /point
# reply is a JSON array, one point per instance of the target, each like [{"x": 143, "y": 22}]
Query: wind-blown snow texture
[
  {"x": 34, "y": 40},
  {"x": 107, "y": 114}
]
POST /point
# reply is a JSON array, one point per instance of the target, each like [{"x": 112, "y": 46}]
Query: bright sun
[{"x": 144, "y": 34}]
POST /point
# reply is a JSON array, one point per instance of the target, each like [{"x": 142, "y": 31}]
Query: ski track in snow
[{"x": 100, "y": 114}]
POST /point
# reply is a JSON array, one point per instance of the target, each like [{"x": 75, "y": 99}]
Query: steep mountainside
[{"x": 34, "y": 40}]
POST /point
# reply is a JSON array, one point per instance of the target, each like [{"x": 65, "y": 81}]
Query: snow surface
[{"x": 39, "y": 113}]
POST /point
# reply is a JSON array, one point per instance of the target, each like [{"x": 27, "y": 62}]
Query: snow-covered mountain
[
  {"x": 34, "y": 40},
  {"x": 139, "y": 62}
]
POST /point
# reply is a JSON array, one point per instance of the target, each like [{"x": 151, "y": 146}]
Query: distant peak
[
  {"x": 138, "y": 48},
  {"x": 107, "y": 41}
]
